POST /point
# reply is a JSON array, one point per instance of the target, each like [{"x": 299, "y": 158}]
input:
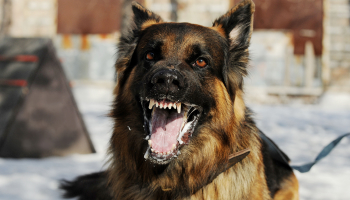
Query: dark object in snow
[{"x": 38, "y": 113}]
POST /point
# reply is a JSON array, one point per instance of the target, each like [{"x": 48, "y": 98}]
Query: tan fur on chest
[{"x": 240, "y": 182}]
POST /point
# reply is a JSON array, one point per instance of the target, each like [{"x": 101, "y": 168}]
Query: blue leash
[{"x": 277, "y": 154}]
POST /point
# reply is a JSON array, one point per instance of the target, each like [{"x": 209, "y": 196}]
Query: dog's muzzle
[{"x": 169, "y": 119}]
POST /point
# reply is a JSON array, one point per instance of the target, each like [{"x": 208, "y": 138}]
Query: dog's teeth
[
  {"x": 151, "y": 103},
  {"x": 152, "y": 150},
  {"x": 157, "y": 104},
  {"x": 179, "y": 108},
  {"x": 160, "y": 105},
  {"x": 150, "y": 143},
  {"x": 174, "y": 145},
  {"x": 165, "y": 106},
  {"x": 170, "y": 105},
  {"x": 174, "y": 105}
]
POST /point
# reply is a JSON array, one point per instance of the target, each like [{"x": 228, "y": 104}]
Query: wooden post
[
  {"x": 325, "y": 46},
  {"x": 289, "y": 58},
  {"x": 173, "y": 15},
  {"x": 5, "y": 22},
  {"x": 310, "y": 64}
]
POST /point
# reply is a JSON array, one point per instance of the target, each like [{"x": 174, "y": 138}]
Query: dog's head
[{"x": 179, "y": 85}]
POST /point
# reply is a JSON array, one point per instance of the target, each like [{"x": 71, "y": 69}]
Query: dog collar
[
  {"x": 237, "y": 157},
  {"x": 232, "y": 160}
]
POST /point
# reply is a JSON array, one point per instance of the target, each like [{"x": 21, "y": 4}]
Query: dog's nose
[{"x": 167, "y": 81}]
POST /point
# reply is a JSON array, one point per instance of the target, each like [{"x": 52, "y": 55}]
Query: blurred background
[{"x": 298, "y": 84}]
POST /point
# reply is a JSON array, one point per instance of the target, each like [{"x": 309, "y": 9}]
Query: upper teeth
[{"x": 165, "y": 105}]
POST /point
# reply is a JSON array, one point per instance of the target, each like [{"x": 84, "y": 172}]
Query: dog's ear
[
  {"x": 237, "y": 24},
  {"x": 143, "y": 17},
  {"x": 130, "y": 37},
  {"x": 237, "y": 27}
]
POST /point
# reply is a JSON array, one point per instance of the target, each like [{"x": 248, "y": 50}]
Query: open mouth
[{"x": 170, "y": 126}]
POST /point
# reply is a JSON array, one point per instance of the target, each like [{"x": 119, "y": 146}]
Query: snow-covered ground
[{"x": 300, "y": 130}]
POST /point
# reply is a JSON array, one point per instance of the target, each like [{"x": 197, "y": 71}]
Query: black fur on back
[
  {"x": 88, "y": 187},
  {"x": 275, "y": 171}
]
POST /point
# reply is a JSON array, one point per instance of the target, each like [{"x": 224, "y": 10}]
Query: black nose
[{"x": 167, "y": 81}]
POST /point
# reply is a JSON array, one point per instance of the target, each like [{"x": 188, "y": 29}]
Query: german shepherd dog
[{"x": 181, "y": 128}]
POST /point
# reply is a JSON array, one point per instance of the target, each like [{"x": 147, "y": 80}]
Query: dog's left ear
[
  {"x": 237, "y": 23},
  {"x": 237, "y": 27}
]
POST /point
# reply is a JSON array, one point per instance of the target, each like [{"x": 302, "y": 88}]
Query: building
[{"x": 304, "y": 53}]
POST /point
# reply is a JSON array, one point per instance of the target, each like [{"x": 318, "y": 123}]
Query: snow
[{"x": 300, "y": 130}]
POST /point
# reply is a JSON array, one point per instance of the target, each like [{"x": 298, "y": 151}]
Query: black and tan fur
[{"x": 225, "y": 125}]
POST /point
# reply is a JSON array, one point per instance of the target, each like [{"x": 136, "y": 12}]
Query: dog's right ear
[
  {"x": 130, "y": 36},
  {"x": 143, "y": 17}
]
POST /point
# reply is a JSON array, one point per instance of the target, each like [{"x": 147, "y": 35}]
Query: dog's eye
[
  {"x": 200, "y": 62},
  {"x": 150, "y": 56}
]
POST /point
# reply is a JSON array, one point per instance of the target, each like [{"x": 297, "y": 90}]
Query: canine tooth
[
  {"x": 151, "y": 103},
  {"x": 179, "y": 108},
  {"x": 150, "y": 143},
  {"x": 146, "y": 154}
]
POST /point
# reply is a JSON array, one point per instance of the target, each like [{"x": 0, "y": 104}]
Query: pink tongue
[{"x": 165, "y": 129}]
